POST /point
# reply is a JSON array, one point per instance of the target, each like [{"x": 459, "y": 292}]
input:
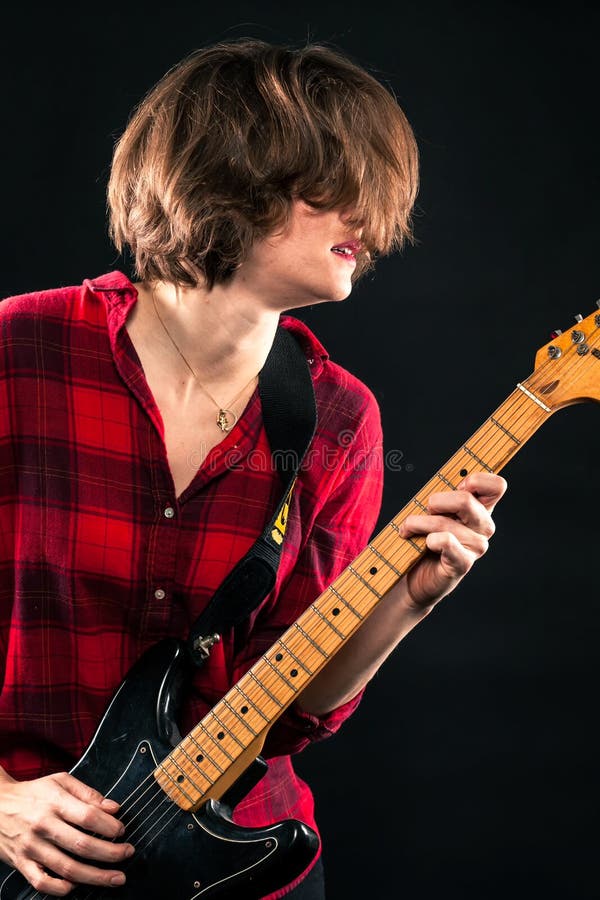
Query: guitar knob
[{"x": 579, "y": 317}]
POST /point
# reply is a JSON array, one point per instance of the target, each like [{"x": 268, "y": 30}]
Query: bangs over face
[{"x": 215, "y": 153}]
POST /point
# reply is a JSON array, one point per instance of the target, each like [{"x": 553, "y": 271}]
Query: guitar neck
[{"x": 204, "y": 763}]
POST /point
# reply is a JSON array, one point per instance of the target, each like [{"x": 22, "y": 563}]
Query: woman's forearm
[{"x": 360, "y": 657}]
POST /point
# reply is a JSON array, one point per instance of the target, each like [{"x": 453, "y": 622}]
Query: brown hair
[{"x": 213, "y": 155}]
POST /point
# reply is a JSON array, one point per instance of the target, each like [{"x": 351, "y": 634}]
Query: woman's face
[{"x": 300, "y": 265}]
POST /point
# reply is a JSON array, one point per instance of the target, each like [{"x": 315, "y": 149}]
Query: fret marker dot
[
  {"x": 279, "y": 657},
  {"x": 463, "y": 472},
  {"x": 294, "y": 672},
  {"x": 373, "y": 570},
  {"x": 335, "y": 611},
  {"x": 180, "y": 778},
  {"x": 199, "y": 758},
  {"x": 221, "y": 735},
  {"x": 244, "y": 710}
]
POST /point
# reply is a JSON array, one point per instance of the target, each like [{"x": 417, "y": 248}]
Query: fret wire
[
  {"x": 269, "y": 683},
  {"x": 283, "y": 678},
  {"x": 185, "y": 774},
  {"x": 526, "y": 422},
  {"x": 476, "y": 458},
  {"x": 407, "y": 539},
  {"x": 505, "y": 430},
  {"x": 294, "y": 657},
  {"x": 204, "y": 753},
  {"x": 327, "y": 622},
  {"x": 339, "y": 596},
  {"x": 193, "y": 762},
  {"x": 383, "y": 558},
  {"x": 419, "y": 504},
  {"x": 445, "y": 480},
  {"x": 217, "y": 744},
  {"x": 488, "y": 443},
  {"x": 403, "y": 555},
  {"x": 228, "y": 730},
  {"x": 251, "y": 702},
  {"x": 173, "y": 780},
  {"x": 364, "y": 581},
  {"x": 484, "y": 443},
  {"x": 497, "y": 447},
  {"x": 518, "y": 411},
  {"x": 308, "y": 638},
  {"x": 265, "y": 689},
  {"x": 305, "y": 644},
  {"x": 233, "y": 710},
  {"x": 320, "y": 632}
]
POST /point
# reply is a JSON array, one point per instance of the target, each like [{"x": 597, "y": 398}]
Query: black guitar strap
[{"x": 290, "y": 418}]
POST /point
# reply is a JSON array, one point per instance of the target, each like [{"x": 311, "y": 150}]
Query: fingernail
[
  {"x": 129, "y": 851},
  {"x": 118, "y": 879}
]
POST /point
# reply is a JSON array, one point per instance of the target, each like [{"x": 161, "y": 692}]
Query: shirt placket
[{"x": 161, "y": 561}]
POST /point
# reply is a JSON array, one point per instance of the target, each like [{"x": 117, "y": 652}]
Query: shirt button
[
  {"x": 169, "y": 512},
  {"x": 159, "y": 594}
]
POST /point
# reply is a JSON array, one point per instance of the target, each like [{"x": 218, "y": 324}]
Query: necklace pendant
[{"x": 226, "y": 419}]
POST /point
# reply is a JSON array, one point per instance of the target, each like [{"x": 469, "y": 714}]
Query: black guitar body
[{"x": 179, "y": 855}]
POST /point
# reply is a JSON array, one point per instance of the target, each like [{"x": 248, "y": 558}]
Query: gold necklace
[{"x": 226, "y": 418}]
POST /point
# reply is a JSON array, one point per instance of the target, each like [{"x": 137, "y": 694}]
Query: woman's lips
[{"x": 347, "y": 251}]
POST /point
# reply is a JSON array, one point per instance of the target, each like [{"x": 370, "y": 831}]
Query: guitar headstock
[{"x": 567, "y": 368}]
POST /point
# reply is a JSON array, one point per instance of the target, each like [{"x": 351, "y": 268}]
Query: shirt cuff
[{"x": 296, "y": 729}]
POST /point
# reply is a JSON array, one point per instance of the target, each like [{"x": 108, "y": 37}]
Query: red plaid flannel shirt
[{"x": 98, "y": 557}]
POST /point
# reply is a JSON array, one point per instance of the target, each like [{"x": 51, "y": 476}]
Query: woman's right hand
[{"x": 45, "y": 820}]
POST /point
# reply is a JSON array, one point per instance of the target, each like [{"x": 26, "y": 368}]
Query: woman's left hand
[{"x": 458, "y": 525}]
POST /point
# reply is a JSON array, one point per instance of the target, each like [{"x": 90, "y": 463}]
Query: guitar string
[
  {"x": 127, "y": 863},
  {"x": 524, "y": 406}
]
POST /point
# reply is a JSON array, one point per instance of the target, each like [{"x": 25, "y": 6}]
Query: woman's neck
[{"x": 224, "y": 335}]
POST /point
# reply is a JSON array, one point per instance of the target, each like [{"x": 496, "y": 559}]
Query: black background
[{"x": 470, "y": 768}]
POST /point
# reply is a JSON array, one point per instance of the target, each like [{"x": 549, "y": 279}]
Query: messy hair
[{"x": 215, "y": 153}]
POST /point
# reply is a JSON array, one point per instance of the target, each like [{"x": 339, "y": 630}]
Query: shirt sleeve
[{"x": 339, "y": 532}]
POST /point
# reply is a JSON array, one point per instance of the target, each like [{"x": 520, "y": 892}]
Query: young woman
[{"x": 251, "y": 180}]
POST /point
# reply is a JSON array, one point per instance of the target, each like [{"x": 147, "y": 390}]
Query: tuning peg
[
  {"x": 598, "y": 303},
  {"x": 555, "y": 334},
  {"x": 579, "y": 317}
]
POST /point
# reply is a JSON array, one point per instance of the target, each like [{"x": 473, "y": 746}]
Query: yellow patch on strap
[{"x": 278, "y": 531}]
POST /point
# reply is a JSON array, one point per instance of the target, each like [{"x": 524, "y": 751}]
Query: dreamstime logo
[{"x": 328, "y": 456}]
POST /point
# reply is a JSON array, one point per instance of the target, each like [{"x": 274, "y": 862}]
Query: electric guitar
[{"x": 176, "y": 794}]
